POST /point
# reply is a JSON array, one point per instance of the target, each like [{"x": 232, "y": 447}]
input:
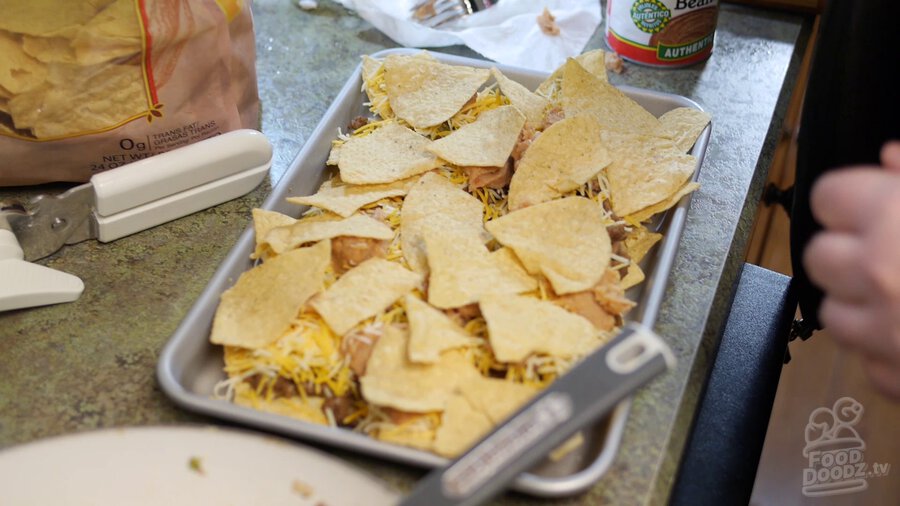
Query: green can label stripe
[{"x": 680, "y": 52}]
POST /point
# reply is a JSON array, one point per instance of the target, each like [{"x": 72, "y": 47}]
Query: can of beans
[{"x": 662, "y": 33}]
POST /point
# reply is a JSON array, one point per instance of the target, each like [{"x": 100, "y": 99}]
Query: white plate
[{"x": 153, "y": 466}]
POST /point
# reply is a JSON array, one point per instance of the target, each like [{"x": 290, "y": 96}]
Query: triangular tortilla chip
[
  {"x": 562, "y": 159},
  {"x": 264, "y": 221},
  {"x": 565, "y": 240},
  {"x": 362, "y": 292},
  {"x": 431, "y": 332},
  {"x": 346, "y": 199},
  {"x": 528, "y": 103},
  {"x": 521, "y": 326},
  {"x": 434, "y": 203},
  {"x": 260, "y": 306},
  {"x": 463, "y": 271},
  {"x": 392, "y": 380},
  {"x": 313, "y": 229},
  {"x": 497, "y": 398},
  {"x": 648, "y": 212},
  {"x": 583, "y": 93},
  {"x": 645, "y": 170},
  {"x": 592, "y": 61},
  {"x": 487, "y": 142},
  {"x": 461, "y": 426},
  {"x": 426, "y": 93},
  {"x": 390, "y": 153},
  {"x": 308, "y": 409},
  {"x": 684, "y": 125}
]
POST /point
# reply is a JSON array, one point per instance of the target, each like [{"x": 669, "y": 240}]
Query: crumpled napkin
[{"x": 507, "y": 33}]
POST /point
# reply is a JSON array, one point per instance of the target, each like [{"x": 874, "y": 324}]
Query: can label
[{"x": 669, "y": 33}]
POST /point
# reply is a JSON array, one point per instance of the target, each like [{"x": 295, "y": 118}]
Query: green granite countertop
[{"x": 91, "y": 364}]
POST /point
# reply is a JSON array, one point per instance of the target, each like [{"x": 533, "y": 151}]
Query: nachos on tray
[{"x": 474, "y": 241}]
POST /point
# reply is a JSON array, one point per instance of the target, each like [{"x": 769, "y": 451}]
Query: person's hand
[{"x": 856, "y": 262}]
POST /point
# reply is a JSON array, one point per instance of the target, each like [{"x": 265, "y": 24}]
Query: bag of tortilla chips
[{"x": 90, "y": 85}]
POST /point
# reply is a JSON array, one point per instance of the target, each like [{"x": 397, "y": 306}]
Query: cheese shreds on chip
[
  {"x": 281, "y": 239},
  {"x": 645, "y": 170},
  {"x": 463, "y": 271},
  {"x": 431, "y": 332},
  {"x": 394, "y": 381},
  {"x": 684, "y": 125},
  {"x": 527, "y": 102},
  {"x": 434, "y": 203},
  {"x": 348, "y": 198},
  {"x": 521, "y": 326},
  {"x": 308, "y": 409},
  {"x": 390, "y": 153},
  {"x": 562, "y": 159},
  {"x": 583, "y": 93},
  {"x": 263, "y": 222},
  {"x": 485, "y": 143},
  {"x": 262, "y": 303},
  {"x": 497, "y": 398},
  {"x": 426, "y": 93},
  {"x": 461, "y": 426},
  {"x": 565, "y": 240},
  {"x": 362, "y": 292}
]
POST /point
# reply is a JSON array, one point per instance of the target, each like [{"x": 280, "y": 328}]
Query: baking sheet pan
[{"x": 189, "y": 366}]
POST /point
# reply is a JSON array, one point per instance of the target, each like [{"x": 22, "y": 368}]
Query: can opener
[{"x": 120, "y": 202}]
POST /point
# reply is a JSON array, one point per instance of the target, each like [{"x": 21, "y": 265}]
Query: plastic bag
[{"x": 89, "y": 85}]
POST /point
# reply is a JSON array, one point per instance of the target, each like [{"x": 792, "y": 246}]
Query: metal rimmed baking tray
[{"x": 190, "y": 366}]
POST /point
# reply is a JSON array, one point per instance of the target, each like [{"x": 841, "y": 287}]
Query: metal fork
[{"x": 433, "y": 13}]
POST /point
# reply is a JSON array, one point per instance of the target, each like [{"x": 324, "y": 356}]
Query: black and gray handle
[{"x": 590, "y": 389}]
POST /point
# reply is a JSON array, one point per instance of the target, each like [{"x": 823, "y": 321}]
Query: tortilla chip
[
  {"x": 281, "y": 239},
  {"x": 390, "y": 153},
  {"x": 346, "y": 199},
  {"x": 527, "y": 102},
  {"x": 592, "y": 61},
  {"x": 410, "y": 434},
  {"x": 521, "y": 326},
  {"x": 362, "y": 292},
  {"x": 487, "y": 142},
  {"x": 392, "y": 380},
  {"x": 370, "y": 67},
  {"x": 426, "y": 93},
  {"x": 684, "y": 125},
  {"x": 308, "y": 409},
  {"x": 645, "y": 170},
  {"x": 565, "y": 240},
  {"x": 264, "y": 221},
  {"x": 434, "y": 203},
  {"x": 648, "y": 212},
  {"x": 19, "y": 72},
  {"x": 49, "y": 49},
  {"x": 46, "y": 18},
  {"x": 463, "y": 271},
  {"x": 260, "y": 306},
  {"x": 633, "y": 276},
  {"x": 461, "y": 427},
  {"x": 497, "y": 398},
  {"x": 583, "y": 93},
  {"x": 79, "y": 99},
  {"x": 114, "y": 32},
  {"x": 431, "y": 332},
  {"x": 562, "y": 159},
  {"x": 639, "y": 242}
]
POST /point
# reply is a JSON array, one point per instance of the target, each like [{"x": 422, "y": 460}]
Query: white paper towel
[{"x": 507, "y": 33}]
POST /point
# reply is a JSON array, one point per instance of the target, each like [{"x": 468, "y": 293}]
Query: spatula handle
[{"x": 589, "y": 390}]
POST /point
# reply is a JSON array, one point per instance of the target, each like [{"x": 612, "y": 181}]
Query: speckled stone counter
[{"x": 91, "y": 364}]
